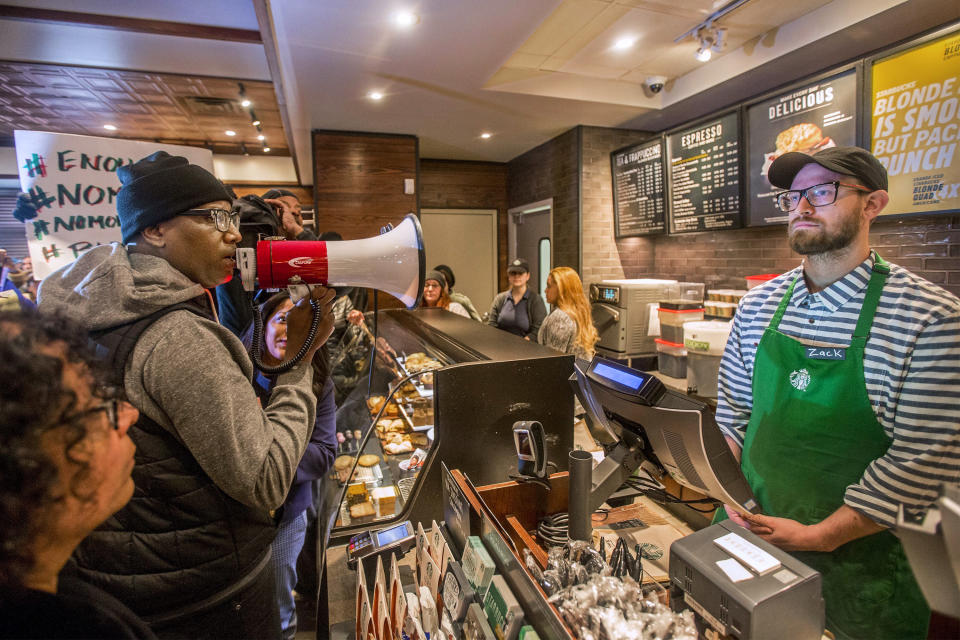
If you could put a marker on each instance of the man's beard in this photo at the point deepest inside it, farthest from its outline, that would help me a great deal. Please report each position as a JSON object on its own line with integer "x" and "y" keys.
{"x": 809, "y": 242}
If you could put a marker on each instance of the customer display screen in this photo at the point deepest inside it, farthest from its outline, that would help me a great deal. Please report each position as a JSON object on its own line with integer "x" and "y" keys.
{"x": 621, "y": 377}
{"x": 388, "y": 536}
{"x": 608, "y": 294}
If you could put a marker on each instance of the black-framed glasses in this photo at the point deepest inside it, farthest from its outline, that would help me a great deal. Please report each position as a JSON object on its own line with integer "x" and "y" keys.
{"x": 110, "y": 406}
{"x": 221, "y": 217}
{"x": 819, "y": 195}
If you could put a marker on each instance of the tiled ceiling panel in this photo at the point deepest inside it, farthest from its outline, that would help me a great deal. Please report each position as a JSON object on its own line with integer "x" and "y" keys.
{"x": 169, "y": 108}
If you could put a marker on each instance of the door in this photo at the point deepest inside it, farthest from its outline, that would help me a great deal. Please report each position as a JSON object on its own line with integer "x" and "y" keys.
{"x": 466, "y": 241}
{"x": 530, "y": 230}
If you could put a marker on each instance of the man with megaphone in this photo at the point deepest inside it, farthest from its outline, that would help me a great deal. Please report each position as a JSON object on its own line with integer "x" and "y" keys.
{"x": 190, "y": 552}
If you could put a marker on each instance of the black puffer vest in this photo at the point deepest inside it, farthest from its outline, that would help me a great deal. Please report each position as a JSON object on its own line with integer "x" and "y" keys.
{"x": 181, "y": 545}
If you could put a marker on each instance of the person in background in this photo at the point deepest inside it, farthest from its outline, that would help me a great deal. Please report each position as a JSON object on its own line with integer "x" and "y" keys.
{"x": 66, "y": 463}
{"x": 569, "y": 327}
{"x": 520, "y": 309}
{"x": 456, "y": 296}
{"x": 316, "y": 461}
{"x": 834, "y": 441}
{"x": 435, "y": 294}
{"x": 291, "y": 219}
{"x": 190, "y": 553}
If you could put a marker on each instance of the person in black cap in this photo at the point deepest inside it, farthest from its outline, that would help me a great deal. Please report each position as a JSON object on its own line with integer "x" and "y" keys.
{"x": 832, "y": 394}
{"x": 190, "y": 553}
{"x": 456, "y": 296}
{"x": 520, "y": 309}
{"x": 289, "y": 208}
{"x": 436, "y": 294}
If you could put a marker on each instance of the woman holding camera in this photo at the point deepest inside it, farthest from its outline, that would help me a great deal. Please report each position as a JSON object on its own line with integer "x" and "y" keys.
{"x": 315, "y": 463}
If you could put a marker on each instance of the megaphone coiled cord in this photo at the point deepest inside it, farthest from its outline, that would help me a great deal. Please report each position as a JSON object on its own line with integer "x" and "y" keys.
{"x": 285, "y": 366}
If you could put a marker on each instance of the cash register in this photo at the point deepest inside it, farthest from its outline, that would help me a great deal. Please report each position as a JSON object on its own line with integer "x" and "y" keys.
{"x": 739, "y": 584}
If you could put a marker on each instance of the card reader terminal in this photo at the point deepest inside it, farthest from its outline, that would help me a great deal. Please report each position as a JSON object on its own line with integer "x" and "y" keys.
{"x": 398, "y": 539}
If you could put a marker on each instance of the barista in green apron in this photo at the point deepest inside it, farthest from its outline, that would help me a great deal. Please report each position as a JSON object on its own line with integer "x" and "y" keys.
{"x": 812, "y": 433}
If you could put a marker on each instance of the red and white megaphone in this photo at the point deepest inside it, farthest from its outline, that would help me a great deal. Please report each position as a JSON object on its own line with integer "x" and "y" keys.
{"x": 393, "y": 262}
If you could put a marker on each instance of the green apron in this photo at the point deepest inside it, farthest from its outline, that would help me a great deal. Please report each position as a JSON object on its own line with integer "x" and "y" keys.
{"x": 812, "y": 433}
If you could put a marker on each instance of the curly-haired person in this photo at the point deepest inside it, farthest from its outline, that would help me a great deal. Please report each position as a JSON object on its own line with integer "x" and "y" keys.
{"x": 65, "y": 463}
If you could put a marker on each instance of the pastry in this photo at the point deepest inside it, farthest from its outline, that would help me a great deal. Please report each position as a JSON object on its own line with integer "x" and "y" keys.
{"x": 385, "y": 498}
{"x": 362, "y": 509}
{"x": 374, "y": 403}
{"x": 417, "y": 439}
{"x": 368, "y": 460}
{"x": 399, "y": 447}
{"x": 343, "y": 463}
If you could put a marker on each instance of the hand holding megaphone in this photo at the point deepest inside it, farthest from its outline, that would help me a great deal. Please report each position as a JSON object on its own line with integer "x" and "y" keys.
{"x": 301, "y": 316}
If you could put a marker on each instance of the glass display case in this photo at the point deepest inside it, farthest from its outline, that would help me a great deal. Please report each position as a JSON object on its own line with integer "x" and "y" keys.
{"x": 443, "y": 387}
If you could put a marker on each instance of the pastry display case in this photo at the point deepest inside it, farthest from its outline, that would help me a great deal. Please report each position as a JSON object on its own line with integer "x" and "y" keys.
{"x": 443, "y": 388}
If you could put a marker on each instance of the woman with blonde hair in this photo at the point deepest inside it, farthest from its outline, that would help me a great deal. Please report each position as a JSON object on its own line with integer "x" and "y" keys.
{"x": 569, "y": 327}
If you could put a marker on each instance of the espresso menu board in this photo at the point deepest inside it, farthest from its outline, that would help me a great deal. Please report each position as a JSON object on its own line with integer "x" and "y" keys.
{"x": 705, "y": 176}
{"x": 808, "y": 119}
{"x": 639, "y": 202}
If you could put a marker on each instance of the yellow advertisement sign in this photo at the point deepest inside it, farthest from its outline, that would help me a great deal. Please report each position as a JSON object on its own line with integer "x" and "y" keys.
{"x": 916, "y": 126}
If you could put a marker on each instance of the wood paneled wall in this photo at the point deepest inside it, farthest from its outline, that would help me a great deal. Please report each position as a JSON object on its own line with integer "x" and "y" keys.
{"x": 358, "y": 184}
{"x": 455, "y": 184}
{"x": 358, "y": 180}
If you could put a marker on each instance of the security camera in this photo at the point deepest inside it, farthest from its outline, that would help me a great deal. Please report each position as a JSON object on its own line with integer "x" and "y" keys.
{"x": 655, "y": 83}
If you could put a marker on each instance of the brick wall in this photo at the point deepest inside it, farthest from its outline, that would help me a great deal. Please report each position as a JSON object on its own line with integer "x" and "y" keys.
{"x": 601, "y": 258}
{"x": 551, "y": 171}
{"x": 927, "y": 245}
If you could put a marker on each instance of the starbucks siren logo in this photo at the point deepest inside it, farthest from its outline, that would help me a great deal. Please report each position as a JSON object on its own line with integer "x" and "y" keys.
{"x": 800, "y": 379}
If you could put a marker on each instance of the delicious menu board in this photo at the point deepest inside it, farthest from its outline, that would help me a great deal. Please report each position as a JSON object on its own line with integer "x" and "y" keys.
{"x": 639, "y": 200}
{"x": 914, "y": 133}
{"x": 705, "y": 176}
{"x": 808, "y": 118}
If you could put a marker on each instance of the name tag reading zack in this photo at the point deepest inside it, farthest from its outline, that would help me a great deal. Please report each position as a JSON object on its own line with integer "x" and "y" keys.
{"x": 827, "y": 353}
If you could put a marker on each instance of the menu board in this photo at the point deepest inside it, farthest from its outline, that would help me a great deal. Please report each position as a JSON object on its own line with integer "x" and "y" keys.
{"x": 808, "y": 119}
{"x": 916, "y": 107}
{"x": 705, "y": 176}
{"x": 639, "y": 200}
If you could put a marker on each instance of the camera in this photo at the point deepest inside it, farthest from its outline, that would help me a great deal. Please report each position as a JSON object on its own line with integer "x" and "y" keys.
{"x": 655, "y": 83}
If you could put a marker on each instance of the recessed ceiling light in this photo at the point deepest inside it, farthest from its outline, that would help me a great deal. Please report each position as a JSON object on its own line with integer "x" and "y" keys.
{"x": 110, "y": 127}
{"x": 485, "y": 135}
{"x": 230, "y": 133}
{"x": 375, "y": 95}
{"x": 255, "y": 123}
{"x": 261, "y": 137}
{"x": 266, "y": 149}
{"x": 245, "y": 103}
{"x": 405, "y": 19}
{"x": 624, "y": 43}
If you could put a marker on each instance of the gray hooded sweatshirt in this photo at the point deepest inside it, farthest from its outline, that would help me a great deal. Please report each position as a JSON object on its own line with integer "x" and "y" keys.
{"x": 191, "y": 375}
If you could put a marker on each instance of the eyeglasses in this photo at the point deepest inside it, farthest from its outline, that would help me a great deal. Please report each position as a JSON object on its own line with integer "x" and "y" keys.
{"x": 223, "y": 218}
{"x": 110, "y": 406}
{"x": 819, "y": 195}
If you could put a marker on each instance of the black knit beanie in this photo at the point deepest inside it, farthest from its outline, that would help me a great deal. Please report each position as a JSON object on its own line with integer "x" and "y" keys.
{"x": 159, "y": 187}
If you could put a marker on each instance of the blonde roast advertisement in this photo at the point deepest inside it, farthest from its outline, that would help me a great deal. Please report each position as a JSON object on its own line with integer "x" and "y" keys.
{"x": 916, "y": 126}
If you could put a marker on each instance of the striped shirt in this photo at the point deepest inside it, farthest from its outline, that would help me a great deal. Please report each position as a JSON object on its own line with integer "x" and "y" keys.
{"x": 911, "y": 369}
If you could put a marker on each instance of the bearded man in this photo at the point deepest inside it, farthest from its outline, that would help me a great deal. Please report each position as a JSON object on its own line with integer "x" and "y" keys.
{"x": 838, "y": 392}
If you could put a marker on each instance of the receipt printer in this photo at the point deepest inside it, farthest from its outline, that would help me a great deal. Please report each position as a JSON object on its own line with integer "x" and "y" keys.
{"x": 745, "y": 587}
